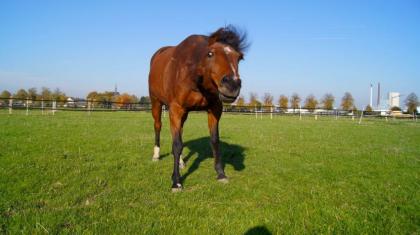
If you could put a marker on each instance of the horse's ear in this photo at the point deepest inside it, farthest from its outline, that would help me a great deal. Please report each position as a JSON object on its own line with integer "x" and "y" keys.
{"x": 214, "y": 37}
{"x": 212, "y": 40}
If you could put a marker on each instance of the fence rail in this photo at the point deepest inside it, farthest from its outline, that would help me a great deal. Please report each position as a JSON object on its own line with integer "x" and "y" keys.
{"x": 86, "y": 105}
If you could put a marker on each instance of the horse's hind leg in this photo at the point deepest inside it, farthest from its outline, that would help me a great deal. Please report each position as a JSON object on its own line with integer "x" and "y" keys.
{"x": 156, "y": 113}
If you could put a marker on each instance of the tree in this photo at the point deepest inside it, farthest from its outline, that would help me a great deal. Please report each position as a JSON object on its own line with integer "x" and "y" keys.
{"x": 21, "y": 94}
{"x": 45, "y": 93}
{"x": 268, "y": 99}
{"x": 5, "y": 94}
{"x": 412, "y": 102}
{"x": 93, "y": 96}
{"x": 328, "y": 101}
{"x": 283, "y": 102}
{"x": 295, "y": 101}
{"x": 134, "y": 99}
{"x": 240, "y": 101}
{"x": 253, "y": 99}
{"x": 124, "y": 100}
{"x": 145, "y": 100}
{"x": 32, "y": 93}
{"x": 58, "y": 95}
{"x": 310, "y": 102}
{"x": 368, "y": 108}
{"x": 347, "y": 102}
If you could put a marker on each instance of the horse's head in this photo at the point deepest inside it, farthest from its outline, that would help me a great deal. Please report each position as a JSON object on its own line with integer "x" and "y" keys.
{"x": 224, "y": 52}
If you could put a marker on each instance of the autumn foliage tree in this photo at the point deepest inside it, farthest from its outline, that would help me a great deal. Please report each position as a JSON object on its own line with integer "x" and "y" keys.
{"x": 253, "y": 99}
{"x": 240, "y": 101}
{"x": 21, "y": 94}
{"x": 104, "y": 98}
{"x": 5, "y": 95}
{"x": 295, "y": 101}
{"x": 310, "y": 102}
{"x": 328, "y": 101}
{"x": 268, "y": 99}
{"x": 58, "y": 95}
{"x": 283, "y": 102}
{"x": 32, "y": 93}
{"x": 124, "y": 100}
{"x": 368, "y": 108}
{"x": 347, "y": 102}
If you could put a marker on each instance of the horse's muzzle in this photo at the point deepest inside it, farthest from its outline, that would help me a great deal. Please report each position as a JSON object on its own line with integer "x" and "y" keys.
{"x": 229, "y": 89}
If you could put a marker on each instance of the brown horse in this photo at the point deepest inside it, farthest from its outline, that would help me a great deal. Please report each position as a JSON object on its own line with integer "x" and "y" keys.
{"x": 198, "y": 74}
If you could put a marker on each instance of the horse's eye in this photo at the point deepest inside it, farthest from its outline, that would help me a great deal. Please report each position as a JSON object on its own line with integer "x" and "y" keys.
{"x": 210, "y": 54}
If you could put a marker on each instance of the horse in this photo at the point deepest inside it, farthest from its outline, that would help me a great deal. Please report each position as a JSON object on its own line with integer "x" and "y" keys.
{"x": 199, "y": 74}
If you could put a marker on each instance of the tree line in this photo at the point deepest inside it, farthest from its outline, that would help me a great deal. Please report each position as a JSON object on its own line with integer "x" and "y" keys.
{"x": 312, "y": 103}
{"x": 46, "y": 94}
{"x": 283, "y": 102}
{"x": 294, "y": 101}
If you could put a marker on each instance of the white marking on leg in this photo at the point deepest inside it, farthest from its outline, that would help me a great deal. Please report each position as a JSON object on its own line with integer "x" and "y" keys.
{"x": 181, "y": 162}
{"x": 156, "y": 151}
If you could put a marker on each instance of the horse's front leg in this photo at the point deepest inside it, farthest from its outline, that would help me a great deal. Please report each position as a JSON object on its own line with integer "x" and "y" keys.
{"x": 177, "y": 117}
{"x": 214, "y": 115}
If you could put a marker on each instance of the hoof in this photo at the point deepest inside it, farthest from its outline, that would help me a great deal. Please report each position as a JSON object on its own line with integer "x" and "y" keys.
{"x": 177, "y": 188}
{"x": 223, "y": 180}
{"x": 181, "y": 165}
{"x": 155, "y": 159}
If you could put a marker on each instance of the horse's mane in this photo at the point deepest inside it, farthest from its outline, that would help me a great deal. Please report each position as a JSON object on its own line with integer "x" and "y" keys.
{"x": 231, "y": 36}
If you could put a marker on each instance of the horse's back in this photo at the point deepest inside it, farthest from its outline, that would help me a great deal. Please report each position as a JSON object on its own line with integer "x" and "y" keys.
{"x": 158, "y": 66}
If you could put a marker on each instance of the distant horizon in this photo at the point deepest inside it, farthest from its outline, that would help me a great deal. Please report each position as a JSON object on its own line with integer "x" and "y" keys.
{"x": 310, "y": 47}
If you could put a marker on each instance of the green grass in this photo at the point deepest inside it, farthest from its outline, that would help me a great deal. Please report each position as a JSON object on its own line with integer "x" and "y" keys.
{"x": 74, "y": 173}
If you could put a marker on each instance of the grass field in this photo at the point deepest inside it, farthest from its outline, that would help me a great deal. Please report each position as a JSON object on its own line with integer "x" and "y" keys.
{"x": 74, "y": 173}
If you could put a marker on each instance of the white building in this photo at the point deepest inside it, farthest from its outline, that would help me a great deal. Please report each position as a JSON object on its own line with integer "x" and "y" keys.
{"x": 394, "y": 99}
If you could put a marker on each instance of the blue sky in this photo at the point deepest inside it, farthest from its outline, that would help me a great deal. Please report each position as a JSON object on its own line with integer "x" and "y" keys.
{"x": 308, "y": 47}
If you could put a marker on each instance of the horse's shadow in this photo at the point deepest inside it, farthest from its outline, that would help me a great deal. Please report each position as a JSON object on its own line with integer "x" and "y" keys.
{"x": 232, "y": 154}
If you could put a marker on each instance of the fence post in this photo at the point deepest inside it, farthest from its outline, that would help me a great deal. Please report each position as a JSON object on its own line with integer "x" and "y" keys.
{"x": 54, "y": 107}
{"x": 300, "y": 112}
{"x": 27, "y": 106}
{"x": 88, "y": 106}
{"x": 271, "y": 112}
{"x": 42, "y": 106}
{"x": 10, "y": 104}
{"x": 256, "y": 114}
